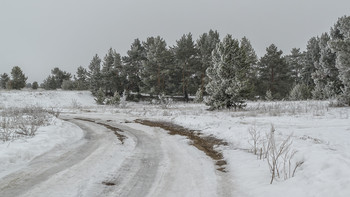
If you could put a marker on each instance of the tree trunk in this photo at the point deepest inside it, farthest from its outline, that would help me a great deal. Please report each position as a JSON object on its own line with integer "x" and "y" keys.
{"x": 158, "y": 80}
{"x": 202, "y": 81}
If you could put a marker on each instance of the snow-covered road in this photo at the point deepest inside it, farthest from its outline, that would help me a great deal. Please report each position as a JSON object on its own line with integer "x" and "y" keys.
{"x": 148, "y": 163}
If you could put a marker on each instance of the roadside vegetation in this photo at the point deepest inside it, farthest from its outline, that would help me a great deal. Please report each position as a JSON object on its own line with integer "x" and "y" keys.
{"x": 16, "y": 123}
{"x": 223, "y": 73}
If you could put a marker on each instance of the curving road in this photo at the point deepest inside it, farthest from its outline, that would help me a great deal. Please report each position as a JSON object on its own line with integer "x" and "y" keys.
{"x": 149, "y": 163}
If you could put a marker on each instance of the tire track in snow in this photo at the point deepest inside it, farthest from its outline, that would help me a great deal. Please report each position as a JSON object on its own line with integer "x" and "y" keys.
{"x": 43, "y": 167}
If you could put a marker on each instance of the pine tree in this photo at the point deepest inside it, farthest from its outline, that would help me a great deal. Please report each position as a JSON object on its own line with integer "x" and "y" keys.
{"x": 274, "y": 73}
{"x": 227, "y": 75}
{"x": 299, "y": 92}
{"x": 341, "y": 45}
{"x": 205, "y": 46}
{"x": 155, "y": 66}
{"x": 108, "y": 72}
{"x": 251, "y": 59}
{"x": 50, "y": 83}
{"x": 100, "y": 97}
{"x": 35, "y": 85}
{"x": 4, "y": 78}
{"x": 186, "y": 58}
{"x": 325, "y": 76}
{"x": 68, "y": 85}
{"x": 311, "y": 58}
{"x": 133, "y": 66}
{"x": 18, "y": 78}
{"x": 81, "y": 79}
{"x": 112, "y": 73}
{"x": 294, "y": 61}
{"x": 60, "y": 76}
{"x": 300, "y": 75}
{"x": 94, "y": 74}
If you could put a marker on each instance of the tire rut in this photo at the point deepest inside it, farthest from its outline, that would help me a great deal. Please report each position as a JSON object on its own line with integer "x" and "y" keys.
{"x": 206, "y": 144}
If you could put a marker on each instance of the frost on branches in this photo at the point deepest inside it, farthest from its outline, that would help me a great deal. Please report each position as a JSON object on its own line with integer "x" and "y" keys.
{"x": 341, "y": 44}
{"x": 228, "y": 75}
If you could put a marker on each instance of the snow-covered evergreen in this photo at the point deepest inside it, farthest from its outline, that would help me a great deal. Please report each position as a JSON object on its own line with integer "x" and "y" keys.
{"x": 228, "y": 75}
{"x": 341, "y": 44}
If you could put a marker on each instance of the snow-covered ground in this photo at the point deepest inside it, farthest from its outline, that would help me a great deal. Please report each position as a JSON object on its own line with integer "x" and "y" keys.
{"x": 17, "y": 153}
{"x": 46, "y": 99}
{"x": 320, "y": 134}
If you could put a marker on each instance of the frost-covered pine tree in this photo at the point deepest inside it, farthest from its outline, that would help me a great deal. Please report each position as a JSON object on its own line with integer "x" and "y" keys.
{"x": 205, "y": 46}
{"x": 325, "y": 77}
{"x": 227, "y": 75}
{"x": 341, "y": 45}
{"x": 100, "y": 97}
{"x": 311, "y": 57}
{"x": 268, "y": 95}
{"x": 94, "y": 74}
{"x": 199, "y": 96}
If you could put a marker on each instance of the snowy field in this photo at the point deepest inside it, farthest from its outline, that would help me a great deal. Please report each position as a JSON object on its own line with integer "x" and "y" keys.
{"x": 320, "y": 135}
{"x": 320, "y": 138}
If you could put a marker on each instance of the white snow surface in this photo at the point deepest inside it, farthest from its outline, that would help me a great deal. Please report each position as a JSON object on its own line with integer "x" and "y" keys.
{"x": 46, "y": 98}
{"x": 320, "y": 134}
{"x": 17, "y": 153}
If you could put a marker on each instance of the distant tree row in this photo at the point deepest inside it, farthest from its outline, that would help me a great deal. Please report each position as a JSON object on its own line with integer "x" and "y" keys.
{"x": 226, "y": 71}
{"x": 17, "y": 80}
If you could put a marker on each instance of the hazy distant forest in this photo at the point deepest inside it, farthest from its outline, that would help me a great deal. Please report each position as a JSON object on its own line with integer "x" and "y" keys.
{"x": 224, "y": 72}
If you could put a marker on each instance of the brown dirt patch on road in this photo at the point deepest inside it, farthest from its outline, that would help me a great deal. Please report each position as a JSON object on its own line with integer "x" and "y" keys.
{"x": 114, "y": 129}
{"x": 206, "y": 144}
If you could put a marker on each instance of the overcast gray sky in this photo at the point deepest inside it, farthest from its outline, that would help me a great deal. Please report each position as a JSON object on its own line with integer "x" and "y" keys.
{"x": 38, "y": 35}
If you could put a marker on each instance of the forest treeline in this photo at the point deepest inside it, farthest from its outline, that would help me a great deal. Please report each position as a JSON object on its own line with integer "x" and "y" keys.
{"x": 225, "y": 72}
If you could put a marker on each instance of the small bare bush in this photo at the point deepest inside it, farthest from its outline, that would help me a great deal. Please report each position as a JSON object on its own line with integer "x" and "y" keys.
{"x": 6, "y": 130}
{"x": 27, "y": 125}
{"x": 279, "y": 156}
{"x": 17, "y": 122}
{"x": 75, "y": 104}
{"x": 55, "y": 112}
{"x": 165, "y": 102}
{"x": 274, "y": 152}
{"x": 254, "y": 138}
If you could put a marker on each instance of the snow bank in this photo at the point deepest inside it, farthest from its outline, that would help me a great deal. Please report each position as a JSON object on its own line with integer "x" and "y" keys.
{"x": 16, "y": 154}
{"x": 320, "y": 135}
{"x": 46, "y": 99}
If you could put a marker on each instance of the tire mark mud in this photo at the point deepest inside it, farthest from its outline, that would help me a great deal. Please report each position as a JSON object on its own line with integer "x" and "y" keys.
{"x": 116, "y": 130}
{"x": 206, "y": 144}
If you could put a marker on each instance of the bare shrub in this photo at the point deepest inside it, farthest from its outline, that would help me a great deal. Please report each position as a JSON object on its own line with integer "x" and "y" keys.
{"x": 27, "y": 125}
{"x": 279, "y": 156}
{"x": 6, "y": 131}
{"x": 275, "y": 152}
{"x": 75, "y": 104}
{"x": 16, "y": 122}
{"x": 55, "y": 112}
{"x": 165, "y": 102}
{"x": 317, "y": 108}
{"x": 254, "y": 138}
